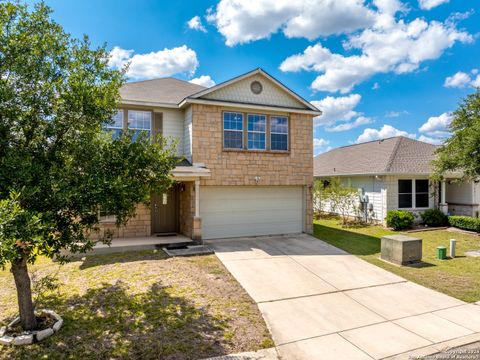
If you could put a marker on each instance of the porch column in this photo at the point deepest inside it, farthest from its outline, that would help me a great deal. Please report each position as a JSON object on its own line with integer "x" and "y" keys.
{"x": 197, "y": 220}
{"x": 443, "y": 205}
{"x": 197, "y": 198}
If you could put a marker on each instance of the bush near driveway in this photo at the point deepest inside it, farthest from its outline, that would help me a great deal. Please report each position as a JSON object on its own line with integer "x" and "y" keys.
{"x": 399, "y": 219}
{"x": 465, "y": 222}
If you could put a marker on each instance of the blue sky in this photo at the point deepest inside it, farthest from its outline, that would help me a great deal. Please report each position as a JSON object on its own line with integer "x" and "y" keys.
{"x": 377, "y": 67}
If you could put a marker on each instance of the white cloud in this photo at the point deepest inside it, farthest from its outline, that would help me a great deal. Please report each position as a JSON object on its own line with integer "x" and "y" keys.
{"x": 320, "y": 145}
{"x": 436, "y": 128}
{"x": 459, "y": 80}
{"x": 119, "y": 57}
{"x": 362, "y": 120}
{"x": 430, "y": 140}
{"x": 204, "y": 80}
{"x": 386, "y": 131}
{"x": 387, "y": 46}
{"x": 430, "y": 4}
{"x": 462, "y": 79}
{"x": 195, "y": 23}
{"x": 243, "y": 21}
{"x": 476, "y": 82}
{"x": 395, "y": 114}
{"x": 338, "y": 113}
{"x": 157, "y": 64}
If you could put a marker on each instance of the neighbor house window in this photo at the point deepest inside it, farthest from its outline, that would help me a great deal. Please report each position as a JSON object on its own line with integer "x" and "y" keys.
{"x": 105, "y": 216}
{"x": 421, "y": 193}
{"x": 256, "y": 131}
{"x": 117, "y": 127}
{"x": 406, "y": 191}
{"x": 140, "y": 122}
{"x": 278, "y": 133}
{"x": 232, "y": 130}
{"x": 405, "y": 194}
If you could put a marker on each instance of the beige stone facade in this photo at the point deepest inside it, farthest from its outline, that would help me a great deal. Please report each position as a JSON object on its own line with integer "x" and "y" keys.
{"x": 246, "y": 167}
{"x": 138, "y": 226}
{"x": 235, "y": 167}
{"x": 199, "y": 129}
{"x": 187, "y": 209}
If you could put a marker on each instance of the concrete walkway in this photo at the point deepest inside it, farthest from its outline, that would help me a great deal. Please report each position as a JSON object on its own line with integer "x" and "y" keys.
{"x": 323, "y": 303}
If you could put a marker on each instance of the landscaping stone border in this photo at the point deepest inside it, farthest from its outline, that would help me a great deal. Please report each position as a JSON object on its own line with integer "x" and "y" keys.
{"x": 30, "y": 337}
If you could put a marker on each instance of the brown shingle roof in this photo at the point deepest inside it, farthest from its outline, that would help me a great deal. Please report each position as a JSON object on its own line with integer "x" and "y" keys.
{"x": 396, "y": 155}
{"x": 165, "y": 91}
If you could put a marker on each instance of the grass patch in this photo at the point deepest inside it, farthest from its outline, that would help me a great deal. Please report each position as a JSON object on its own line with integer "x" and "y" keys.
{"x": 459, "y": 277}
{"x": 142, "y": 305}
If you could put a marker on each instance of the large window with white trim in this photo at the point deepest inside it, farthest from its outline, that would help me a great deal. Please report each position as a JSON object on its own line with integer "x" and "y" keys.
{"x": 232, "y": 130}
{"x": 256, "y": 131}
{"x": 140, "y": 122}
{"x": 278, "y": 133}
{"x": 413, "y": 193}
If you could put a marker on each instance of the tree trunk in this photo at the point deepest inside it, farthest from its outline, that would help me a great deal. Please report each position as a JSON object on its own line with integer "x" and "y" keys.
{"x": 24, "y": 294}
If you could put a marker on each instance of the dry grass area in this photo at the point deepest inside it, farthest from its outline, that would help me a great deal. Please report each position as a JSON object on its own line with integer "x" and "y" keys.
{"x": 458, "y": 277}
{"x": 141, "y": 305}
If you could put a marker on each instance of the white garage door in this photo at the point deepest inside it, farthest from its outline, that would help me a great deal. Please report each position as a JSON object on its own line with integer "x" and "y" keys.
{"x": 231, "y": 211}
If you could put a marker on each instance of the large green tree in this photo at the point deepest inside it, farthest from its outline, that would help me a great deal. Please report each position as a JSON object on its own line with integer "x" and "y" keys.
{"x": 58, "y": 167}
{"x": 461, "y": 152}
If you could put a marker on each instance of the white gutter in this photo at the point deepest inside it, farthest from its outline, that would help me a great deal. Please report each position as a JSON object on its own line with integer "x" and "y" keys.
{"x": 248, "y": 106}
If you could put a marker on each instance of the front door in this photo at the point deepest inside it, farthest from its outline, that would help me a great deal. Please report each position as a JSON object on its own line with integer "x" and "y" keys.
{"x": 165, "y": 212}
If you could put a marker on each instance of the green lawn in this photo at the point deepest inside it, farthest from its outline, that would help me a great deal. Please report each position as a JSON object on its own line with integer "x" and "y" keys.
{"x": 459, "y": 277}
{"x": 142, "y": 305}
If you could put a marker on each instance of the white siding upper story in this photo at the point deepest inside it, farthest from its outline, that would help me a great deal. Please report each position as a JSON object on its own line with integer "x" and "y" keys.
{"x": 240, "y": 91}
{"x": 173, "y": 126}
{"x": 187, "y": 134}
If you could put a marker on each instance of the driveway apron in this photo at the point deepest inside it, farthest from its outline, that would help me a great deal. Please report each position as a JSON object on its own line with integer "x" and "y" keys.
{"x": 320, "y": 302}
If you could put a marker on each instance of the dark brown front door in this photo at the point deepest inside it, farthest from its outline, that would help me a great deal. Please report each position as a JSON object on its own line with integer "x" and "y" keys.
{"x": 165, "y": 212}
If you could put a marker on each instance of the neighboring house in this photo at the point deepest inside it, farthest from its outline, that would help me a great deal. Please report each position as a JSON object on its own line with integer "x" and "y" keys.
{"x": 394, "y": 174}
{"x": 248, "y": 157}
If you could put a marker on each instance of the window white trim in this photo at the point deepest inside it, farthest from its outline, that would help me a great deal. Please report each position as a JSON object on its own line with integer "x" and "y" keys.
{"x": 233, "y": 130}
{"x": 414, "y": 195}
{"x": 277, "y": 133}
{"x": 257, "y": 132}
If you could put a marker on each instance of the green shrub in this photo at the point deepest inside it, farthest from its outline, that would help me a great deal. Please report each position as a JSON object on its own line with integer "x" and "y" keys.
{"x": 434, "y": 217}
{"x": 465, "y": 222}
{"x": 399, "y": 219}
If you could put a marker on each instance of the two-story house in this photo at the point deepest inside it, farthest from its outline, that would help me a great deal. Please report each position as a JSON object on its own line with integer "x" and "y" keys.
{"x": 247, "y": 145}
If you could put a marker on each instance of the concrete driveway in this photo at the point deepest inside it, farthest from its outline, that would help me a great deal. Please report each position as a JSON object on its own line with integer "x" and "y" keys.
{"x": 323, "y": 303}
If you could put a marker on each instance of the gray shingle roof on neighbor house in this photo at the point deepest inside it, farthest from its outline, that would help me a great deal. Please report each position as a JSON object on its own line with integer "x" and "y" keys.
{"x": 396, "y": 155}
{"x": 165, "y": 90}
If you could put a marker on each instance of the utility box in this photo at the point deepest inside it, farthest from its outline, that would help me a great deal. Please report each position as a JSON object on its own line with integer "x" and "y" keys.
{"x": 401, "y": 249}
{"x": 441, "y": 252}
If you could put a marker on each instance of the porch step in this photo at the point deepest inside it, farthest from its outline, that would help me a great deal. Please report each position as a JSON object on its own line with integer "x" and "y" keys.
{"x": 190, "y": 250}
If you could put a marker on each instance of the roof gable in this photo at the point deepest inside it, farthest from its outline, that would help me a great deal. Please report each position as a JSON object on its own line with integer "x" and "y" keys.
{"x": 238, "y": 90}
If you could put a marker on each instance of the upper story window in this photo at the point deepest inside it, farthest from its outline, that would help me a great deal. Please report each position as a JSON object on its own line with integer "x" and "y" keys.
{"x": 278, "y": 132}
{"x": 117, "y": 127}
{"x": 232, "y": 130}
{"x": 256, "y": 131}
{"x": 406, "y": 191}
{"x": 139, "y": 121}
